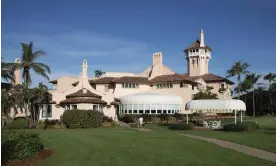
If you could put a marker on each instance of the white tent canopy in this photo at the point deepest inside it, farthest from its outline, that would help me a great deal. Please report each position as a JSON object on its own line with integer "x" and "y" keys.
{"x": 216, "y": 106}
{"x": 150, "y": 103}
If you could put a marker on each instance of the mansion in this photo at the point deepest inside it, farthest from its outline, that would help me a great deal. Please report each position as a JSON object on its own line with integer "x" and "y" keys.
{"x": 156, "y": 90}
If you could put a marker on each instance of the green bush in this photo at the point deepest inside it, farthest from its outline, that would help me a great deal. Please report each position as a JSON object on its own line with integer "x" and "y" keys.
{"x": 128, "y": 118}
{"x": 41, "y": 124}
{"x": 164, "y": 117}
{"x": 82, "y": 119}
{"x": 147, "y": 117}
{"x": 17, "y": 145}
{"x": 178, "y": 117}
{"x": 172, "y": 119}
{"x": 18, "y": 123}
{"x": 184, "y": 126}
{"x": 155, "y": 120}
{"x": 239, "y": 127}
{"x": 108, "y": 122}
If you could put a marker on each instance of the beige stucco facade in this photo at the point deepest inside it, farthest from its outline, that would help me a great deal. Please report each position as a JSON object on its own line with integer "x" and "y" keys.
{"x": 159, "y": 79}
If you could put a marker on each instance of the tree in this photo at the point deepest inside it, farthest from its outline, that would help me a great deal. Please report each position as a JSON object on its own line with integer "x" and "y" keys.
{"x": 253, "y": 78}
{"x": 99, "y": 73}
{"x": 205, "y": 94}
{"x": 260, "y": 92}
{"x": 40, "y": 95}
{"x": 238, "y": 69}
{"x": 29, "y": 62}
{"x": 271, "y": 77}
{"x": 7, "y": 71}
{"x": 28, "y": 94}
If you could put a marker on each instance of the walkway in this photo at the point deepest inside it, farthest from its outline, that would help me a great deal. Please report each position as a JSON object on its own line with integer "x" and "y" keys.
{"x": 123, "y": 124}
{"x": 240, "y": 148}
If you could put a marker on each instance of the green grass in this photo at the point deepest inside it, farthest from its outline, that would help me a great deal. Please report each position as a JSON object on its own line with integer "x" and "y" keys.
{"x": 122, "y": 146}
{"x": 264, "y": 138}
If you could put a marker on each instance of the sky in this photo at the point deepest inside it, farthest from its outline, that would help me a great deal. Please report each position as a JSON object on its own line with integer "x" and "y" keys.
{"x": 122, "y": 35}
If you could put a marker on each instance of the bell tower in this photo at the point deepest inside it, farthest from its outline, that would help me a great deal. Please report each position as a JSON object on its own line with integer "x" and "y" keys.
{"x": 198, "y": 56}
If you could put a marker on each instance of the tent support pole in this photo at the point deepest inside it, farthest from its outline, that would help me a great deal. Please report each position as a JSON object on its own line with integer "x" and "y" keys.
{"x": 187, "y": 118}
{"x": 241, "y": 116}
{"x": 235, "y": 117}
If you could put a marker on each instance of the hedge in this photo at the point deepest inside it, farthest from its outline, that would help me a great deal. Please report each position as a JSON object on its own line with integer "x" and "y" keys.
{"x": 184, "y": 126}
{"x": 17, "y": 145}
{"x": 239, "y": 127}
{"x": 18, "y": 123}
{"x": 82, "y": 119}
{"x": 151, "y": 118}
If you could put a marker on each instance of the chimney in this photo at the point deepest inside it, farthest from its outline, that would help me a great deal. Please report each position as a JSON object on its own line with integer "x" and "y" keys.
{"x": 17, "y": 73}
{"x": 202, "y": 38}
{"x": 157, "y": 58}
{"x": 84, "y": 68}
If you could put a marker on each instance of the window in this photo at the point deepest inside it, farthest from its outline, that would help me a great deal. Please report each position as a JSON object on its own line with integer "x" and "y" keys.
{"x": 74, "y": 107}
{"x": 126, "y": 85}
{"x": 123, "y": 85}
{"x": 196, "y": 50}
{"x": 157, "y": 86}
{"x": 193, "y": 87}
{"x": 133, "y": 85}
{"x": 106, "y": 88}
{"x": 67, "y": 107}
{"x": 101, "y": 108}
{"x": 222, "y": 85}
{"x": 46, "y": 111}
{"x": 95, "y": 107}
{"x": 141, "y": 111}
{"x": 182, "y": 85}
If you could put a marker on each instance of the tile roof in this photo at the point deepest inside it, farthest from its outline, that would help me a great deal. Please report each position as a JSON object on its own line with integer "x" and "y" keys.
{"x": 172, "y": 78}
{"x": 103, "y": 80}
{"x": 195, "y": 45}
{"x": 81, "y": 93}
{"x": 210, "y": 78}
{"x": 76, "y": 100}
{"x": 128, "y": 79}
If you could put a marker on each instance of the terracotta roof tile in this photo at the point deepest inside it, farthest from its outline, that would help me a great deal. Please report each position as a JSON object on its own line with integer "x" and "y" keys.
{"x": 128, "y": 79}
{"x": 172, "y": 78}
{"x": 195, "y": 45}
{"x": 210, "y": 78}
{"x": 76, "y": 100}
{"x": 81, "y": 93}
{"x": 103, "y": 80}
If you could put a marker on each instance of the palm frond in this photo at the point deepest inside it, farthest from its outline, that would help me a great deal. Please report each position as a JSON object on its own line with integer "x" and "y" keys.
{"x": 37, "y": 54}
{"x": 40, "y": 70}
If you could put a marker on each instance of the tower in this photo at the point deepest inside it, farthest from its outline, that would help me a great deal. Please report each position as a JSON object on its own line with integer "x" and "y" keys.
{"x": 17, "y": 73}
{"x": 198, "y": 56}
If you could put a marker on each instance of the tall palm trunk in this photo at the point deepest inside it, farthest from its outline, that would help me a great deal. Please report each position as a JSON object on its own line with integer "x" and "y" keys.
{"x": 253, "y": 103}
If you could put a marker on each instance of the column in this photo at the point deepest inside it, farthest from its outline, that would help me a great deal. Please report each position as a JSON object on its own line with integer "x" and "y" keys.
{"x": 150, "y": 109}
{"x": 131, "y": 108}
{"x": 156, "y": 105}
{"x": 162, "y": 108}
{"x": 119, "y": 108}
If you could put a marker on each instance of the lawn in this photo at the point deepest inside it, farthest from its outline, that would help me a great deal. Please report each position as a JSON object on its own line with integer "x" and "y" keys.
{"x": 265, "y": 138}
{"x": 124, "y": 146}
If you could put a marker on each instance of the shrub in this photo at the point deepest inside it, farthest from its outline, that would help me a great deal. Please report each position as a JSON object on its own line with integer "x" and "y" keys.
{"x": 239, "y": 127}
{"x": 164, "y": 117}
{"x": 19, "y": 145}
{"x": 107, "y": 119}
{"x": 108, "y": 122}
{"x": 178, "y": 117}
{"x": 82, "y": 118}
{"x": 147, "y": 117}
{"x": 184, "y": 126}
{"x": 41, "y": 124}
{"x": 50, "y": 123}
{"x": 155, "y": 120}
{"x": 18, "y": 123}
{"x": 172, "y": 119}
{"x": 128, "y": 118}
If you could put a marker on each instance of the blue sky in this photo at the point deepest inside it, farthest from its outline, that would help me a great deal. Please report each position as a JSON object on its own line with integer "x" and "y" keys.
{"x": 122, "y": 35}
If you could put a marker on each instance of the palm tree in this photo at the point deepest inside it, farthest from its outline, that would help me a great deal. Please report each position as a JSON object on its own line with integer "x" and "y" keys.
{"x": 7, "y": 71}
{"x": 40, "y": 96}
{"x": 7, "y": 102}
{"x": 253, "y": 79}
{"x": 27, "y": 96}
{"x": 238, "y": 69}
{"x": 271, "y": 77}
{"x": 259, "y": 92}
{"x": 29, "y": 62}
{"x": 99, "y": 73}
